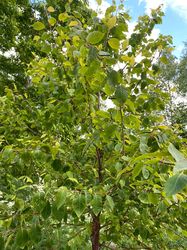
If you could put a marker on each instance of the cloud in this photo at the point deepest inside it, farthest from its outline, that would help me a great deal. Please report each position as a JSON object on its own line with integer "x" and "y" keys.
{"x": 99, "y": 9}
{"x": 155, "y": 33}
{"x": 179, "y": 6}
{"x": 153, "y": 4}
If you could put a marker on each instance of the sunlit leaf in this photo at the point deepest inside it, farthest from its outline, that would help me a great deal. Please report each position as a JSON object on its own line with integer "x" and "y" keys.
{"x": 50, "y": 9}
{"x": 111, "y": 22}
{"x": 38, "y": 26}
{"x": 95, "y": 37}
{"x": 114, "y": 43}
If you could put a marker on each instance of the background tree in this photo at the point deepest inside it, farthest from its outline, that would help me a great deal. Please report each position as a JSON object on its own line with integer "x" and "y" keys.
{"x": 172, "y": 80}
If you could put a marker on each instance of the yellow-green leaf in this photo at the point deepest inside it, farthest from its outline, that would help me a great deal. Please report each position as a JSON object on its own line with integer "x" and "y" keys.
{"x": 111, "y": 22}
{"x": 50, "y": 9}
{"x": 113, "y": 43}
{"x": 63, "y": 17}
{"x": 73, "y": 23}
{"x": 38, "y": 26}
{"x": 125, "y": 44}
{"x": 52, "y": 21}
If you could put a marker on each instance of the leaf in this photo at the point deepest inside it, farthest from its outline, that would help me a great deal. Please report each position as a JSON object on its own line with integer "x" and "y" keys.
{"x": 79, "y": 204}
{"x": 111, "y": 22}
{"x": 95, "y": 37}
{"x": 46, "y": 211}
{"x": 175, "y": 184}
{"x": 145, "y": 173}
{"x": 63, "y": 17}
{"x": 97, "y": 204}
{"x": 121, "y": 94}
{"x": 103, "y": 53}
{"x": 164, "y": 60}
{"x": 50, "y": 9}
{"x": 52, "y": 21}
{"x": 143, "y": 144}
{"x": 110, "y": 201}
{"x": 136, "y": 171}
{"x": 21, "y": 237}
{"x": 35, "y": 233}
{"x": 99, "y": 2}
{"x": 180, "y": 166}
{"x": 113, "y": 43}
{"x": 2, "y": 243}
{"x": 130, "y": 105}
{"x": 178, "y": 156}
{"x": 153, "y": 198}
{"x": 73, "y": 23}
{"x": 143, "y": 197}
{"x": 38, "y": 26}
{"x": 125, "y": 44}
{"x": 58, "y": 214}
{"x": 61, "y": 196}
{"x": 129, "y": 59}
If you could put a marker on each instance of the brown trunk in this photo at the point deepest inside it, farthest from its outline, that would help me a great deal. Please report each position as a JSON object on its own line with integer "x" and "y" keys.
{"x": 95, "y": 232}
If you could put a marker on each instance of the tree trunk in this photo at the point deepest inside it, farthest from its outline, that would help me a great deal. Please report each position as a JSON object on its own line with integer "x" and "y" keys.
{"x": 95, "y": 232}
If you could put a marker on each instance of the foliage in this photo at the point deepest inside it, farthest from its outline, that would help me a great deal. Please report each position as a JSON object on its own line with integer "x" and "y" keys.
{"x": 76, "y": 174}
{"x": 182, "y": 72}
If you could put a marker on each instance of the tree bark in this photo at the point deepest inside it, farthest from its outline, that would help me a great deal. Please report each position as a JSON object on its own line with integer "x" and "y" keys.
{"x": 95, "y": 232}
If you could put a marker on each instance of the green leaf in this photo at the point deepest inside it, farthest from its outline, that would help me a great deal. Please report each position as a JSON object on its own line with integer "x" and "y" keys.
{"x": 58, "y": 214}
{"x": 21, "y": 237}
{"x": 114, "y": 43}
{"x": 95, "y": 37}
{"x": 153, "y": 198}
{"x": 110, "y": 202}
{"x": 97, "y": 204}
{"x": 38, "y": 26}
{"x": 121, "y": 94}
{"x": 143, "y": 144}
{"x": 143, "y": 197}
{"x": 61, "y": 196}
{"x": 136, "y": 171}
{"x": 35, "y": 233}
{"x": 46, "y": 211}
{"x": 2, "y": 243}
{"x": 178, "y": 156}
{"x": 131, "y": 106}
{"x": 180, "y": 166}
{"x": 79, "y": 204}
{"x": 175, "y": 184}
{"x": 145, "y": 173}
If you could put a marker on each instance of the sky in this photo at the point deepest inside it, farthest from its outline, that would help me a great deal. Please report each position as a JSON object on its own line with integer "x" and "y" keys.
{"x": 174, "y": 22}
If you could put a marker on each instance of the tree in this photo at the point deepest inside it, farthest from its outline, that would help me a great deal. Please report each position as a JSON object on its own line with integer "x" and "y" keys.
{"x": 172, "y": 80}
{"x": 16, "y": 22}
{"x": 182, "y": 72}
{"x": 78, "y": 175}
